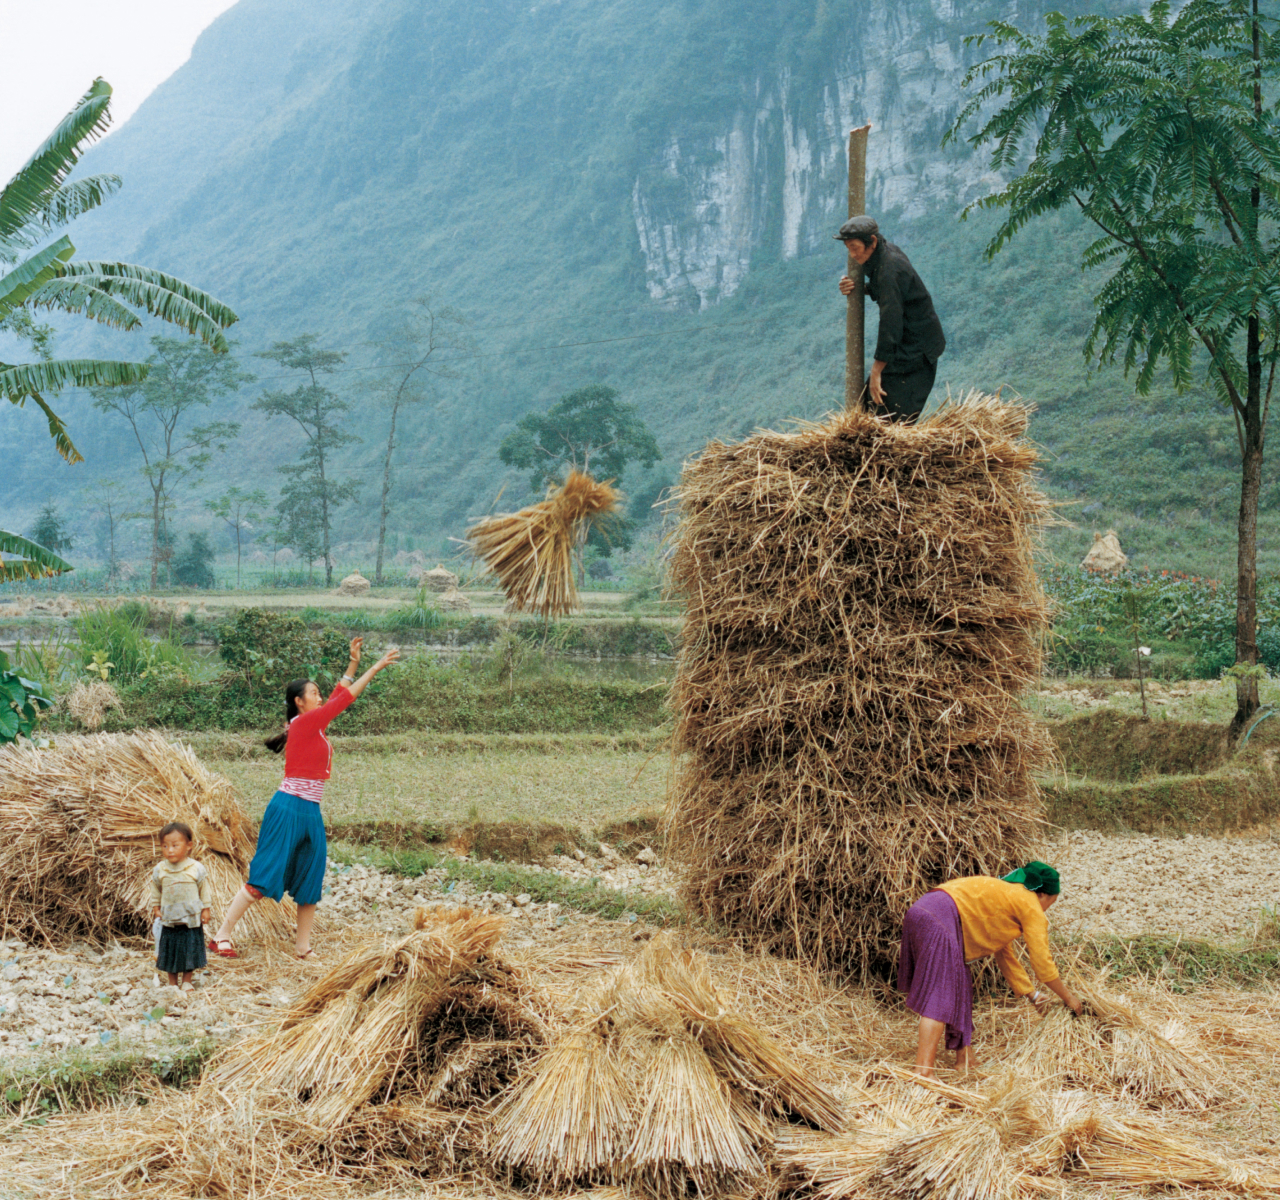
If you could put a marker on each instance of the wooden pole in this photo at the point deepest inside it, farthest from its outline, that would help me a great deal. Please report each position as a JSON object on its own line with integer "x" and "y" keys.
{"x": 855, "y": 374}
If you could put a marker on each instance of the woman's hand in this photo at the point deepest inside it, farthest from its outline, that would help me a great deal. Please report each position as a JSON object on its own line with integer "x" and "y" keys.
{"x": 392, "y": 655}
{"x": 206, "y": 916}
{"x": 357, "y": 644}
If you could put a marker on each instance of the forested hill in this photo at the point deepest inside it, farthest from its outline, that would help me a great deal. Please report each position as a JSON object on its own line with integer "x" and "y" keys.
{"x": 625, "y": 191}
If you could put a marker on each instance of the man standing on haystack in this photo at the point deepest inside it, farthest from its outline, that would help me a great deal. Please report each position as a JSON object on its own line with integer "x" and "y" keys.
{"x": 910, "y": 339}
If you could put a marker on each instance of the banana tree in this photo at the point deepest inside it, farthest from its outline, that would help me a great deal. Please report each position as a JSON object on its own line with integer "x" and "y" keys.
{"x": 35, "y": 562}
{"x": 37, "y": 273}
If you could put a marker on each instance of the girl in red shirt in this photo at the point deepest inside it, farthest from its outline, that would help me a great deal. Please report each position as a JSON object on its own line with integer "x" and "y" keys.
{"x": 292, "y": 850}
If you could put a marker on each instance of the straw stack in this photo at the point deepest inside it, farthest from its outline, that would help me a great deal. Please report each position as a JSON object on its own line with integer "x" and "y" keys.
{"x": 657, "y": 1085}
{"x": 862, "y": 616}
{"x": 532, "y": 551}
{"x": 79, "y": 836}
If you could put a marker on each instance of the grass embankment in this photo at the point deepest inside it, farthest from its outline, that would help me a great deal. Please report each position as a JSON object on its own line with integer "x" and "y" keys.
{"x": 1185, "y": 963}
{"x": 513, "y": 879}
{"x": 1124, "y": 774}
{"x": 79, "y": 1078}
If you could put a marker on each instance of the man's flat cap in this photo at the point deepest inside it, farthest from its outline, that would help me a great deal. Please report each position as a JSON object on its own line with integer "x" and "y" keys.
{"x": 861, "y": 229}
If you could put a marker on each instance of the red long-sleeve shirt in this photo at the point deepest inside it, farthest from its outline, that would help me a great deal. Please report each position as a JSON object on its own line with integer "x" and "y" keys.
{"x": 307, "y": 752}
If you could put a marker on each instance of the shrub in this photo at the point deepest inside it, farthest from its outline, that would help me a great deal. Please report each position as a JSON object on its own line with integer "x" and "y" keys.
{"x": 267, "y": 648}
{"x": 119, "y": 634}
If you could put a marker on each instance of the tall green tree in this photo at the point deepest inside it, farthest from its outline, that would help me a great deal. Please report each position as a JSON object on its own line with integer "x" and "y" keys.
{"x": 428, "y": 344}
{"x": 37, "y": 273}
{"x": 317, "y": 411}
{"x": 183, "y": 377}
{"x": 587, "y": 429}
{"x": 239, "y": 510}
{"x": 50, "y": 531}
{"x": 1162, "y": 131}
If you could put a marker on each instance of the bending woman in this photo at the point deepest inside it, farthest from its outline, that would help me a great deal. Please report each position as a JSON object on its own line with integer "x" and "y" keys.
{"x": 968, "y": 919}
{"x": 291, "y": 851}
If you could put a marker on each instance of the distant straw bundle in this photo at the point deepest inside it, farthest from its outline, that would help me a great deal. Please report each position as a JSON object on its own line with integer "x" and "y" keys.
{"x": 79, "y": 826}
{"x": 658, "y": 1085}
{"x": 862, "y": 614}
{"x": 532, "y": 551}
{"x": 89, "y": 703}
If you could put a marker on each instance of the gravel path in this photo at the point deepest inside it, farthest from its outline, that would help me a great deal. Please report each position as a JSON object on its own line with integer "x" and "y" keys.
{"x": 1215, "y": 888}
{"x": 82, "y": 996}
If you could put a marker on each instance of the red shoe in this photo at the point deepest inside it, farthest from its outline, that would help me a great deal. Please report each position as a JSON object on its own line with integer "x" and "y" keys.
{"x": 229, "y": 952}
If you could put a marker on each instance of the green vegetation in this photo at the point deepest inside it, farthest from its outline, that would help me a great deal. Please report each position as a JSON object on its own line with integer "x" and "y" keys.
{"x": 119, "y": 634}
{"x": 80, "y": 1078}
{"x": 1185, "y": 963}
{"x": 1187, "y": 621}
{"x": 35, "y": 561}
{"x": 21, "y": 702}
{"x": 39, "y": 199}
{"x": 1155, "y": 128}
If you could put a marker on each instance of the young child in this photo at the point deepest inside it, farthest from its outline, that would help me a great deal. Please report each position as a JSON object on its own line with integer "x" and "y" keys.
{"x": 180, "y": 897}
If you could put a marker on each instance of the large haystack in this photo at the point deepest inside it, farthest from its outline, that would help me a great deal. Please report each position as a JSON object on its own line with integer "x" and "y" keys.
{"x": 862, "y": 615}
{"x": 79, "y": 827}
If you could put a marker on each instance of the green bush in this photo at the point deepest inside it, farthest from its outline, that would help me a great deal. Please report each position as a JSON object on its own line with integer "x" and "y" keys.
{"x": 267, "y": 649}
{"x": 423, "y": 613}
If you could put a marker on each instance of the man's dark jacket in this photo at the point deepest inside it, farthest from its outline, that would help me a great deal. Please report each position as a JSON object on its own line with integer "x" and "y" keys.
{"x": 910, "y": 332}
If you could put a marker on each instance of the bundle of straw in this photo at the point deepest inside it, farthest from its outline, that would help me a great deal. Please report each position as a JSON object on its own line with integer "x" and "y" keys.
{"x": 387, "y": 1064}
{"x": 430, "y": 1016}
{"x": 532, "y": 551}
{"x": 862, "y": 615}
{"x": 1114, "y": 1049}
{"x": 79, "y": 836}
{"x": 657, "y": 1085}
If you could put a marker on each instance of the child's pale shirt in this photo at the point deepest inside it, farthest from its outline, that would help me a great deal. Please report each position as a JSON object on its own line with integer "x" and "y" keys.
{"x": 181, "y": 890}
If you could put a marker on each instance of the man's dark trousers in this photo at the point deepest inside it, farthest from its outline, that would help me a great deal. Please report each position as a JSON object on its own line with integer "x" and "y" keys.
{"x": 904, "y": 395}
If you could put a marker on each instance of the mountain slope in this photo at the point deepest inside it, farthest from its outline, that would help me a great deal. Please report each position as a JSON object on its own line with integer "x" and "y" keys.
{"x": 633, "y": 192}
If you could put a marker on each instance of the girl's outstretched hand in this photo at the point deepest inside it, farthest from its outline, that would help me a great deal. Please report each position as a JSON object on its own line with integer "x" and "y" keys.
{"x": 392, "y": 655}
{"x": 357, "y": 644}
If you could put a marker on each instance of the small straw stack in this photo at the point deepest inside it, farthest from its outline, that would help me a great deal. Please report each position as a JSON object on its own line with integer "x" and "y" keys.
{"x": 862, "y": 617}
{"x": 657, "y": 1085}
{"x": 79, "y": 836}
{"x": 532, "y": 551}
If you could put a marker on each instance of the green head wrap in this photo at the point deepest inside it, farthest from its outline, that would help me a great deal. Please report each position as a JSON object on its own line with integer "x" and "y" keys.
{"x": 1036, "y": 877}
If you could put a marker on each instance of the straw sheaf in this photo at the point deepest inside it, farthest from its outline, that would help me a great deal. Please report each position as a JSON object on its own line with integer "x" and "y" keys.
{"x": 532, "y": 551}
{"x": 79, "y": 836}
{"x": 430, "y": 1016}
{"x": 657, "y": 1084}
{"x": 1115, "y": 1049}
{"x": 862, "y": 617}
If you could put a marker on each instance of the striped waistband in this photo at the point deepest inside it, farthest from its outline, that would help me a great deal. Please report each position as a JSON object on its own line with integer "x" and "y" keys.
{"x": 304, "y": 789}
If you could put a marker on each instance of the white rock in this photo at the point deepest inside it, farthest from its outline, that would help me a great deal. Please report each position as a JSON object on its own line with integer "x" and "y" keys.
{"x": 523, "y": 899}
{"x": 646, "y": 857}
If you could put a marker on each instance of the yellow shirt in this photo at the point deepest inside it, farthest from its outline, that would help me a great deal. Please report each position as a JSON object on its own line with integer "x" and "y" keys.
{"x": 993, "y": 915}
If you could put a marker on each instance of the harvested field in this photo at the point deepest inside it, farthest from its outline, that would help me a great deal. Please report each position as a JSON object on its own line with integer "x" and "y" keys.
{"x": 863, "y": 618}
{"x": 1041, "y": 1130}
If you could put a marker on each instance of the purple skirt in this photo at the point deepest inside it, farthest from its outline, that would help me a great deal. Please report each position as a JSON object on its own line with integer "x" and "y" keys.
{"x": 931, "y": 967}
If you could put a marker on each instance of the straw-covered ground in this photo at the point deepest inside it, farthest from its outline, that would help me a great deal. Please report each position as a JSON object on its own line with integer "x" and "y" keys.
{"x": 1153, "y": 1088}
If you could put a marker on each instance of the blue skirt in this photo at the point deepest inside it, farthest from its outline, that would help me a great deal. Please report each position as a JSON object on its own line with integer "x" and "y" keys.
{"x": 291, "y": 850}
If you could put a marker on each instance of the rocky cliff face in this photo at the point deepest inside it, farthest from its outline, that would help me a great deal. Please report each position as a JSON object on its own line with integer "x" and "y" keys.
{"x": 775, "y": 178}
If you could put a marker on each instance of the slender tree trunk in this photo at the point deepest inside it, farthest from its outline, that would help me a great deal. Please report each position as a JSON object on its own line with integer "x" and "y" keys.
{"x": 1247, "y": 537}
{"x": 155, "y": 535}
{"x": 111, "y": 539}
{"x": 237, "y": 556}
{"x": 386, "y": 489}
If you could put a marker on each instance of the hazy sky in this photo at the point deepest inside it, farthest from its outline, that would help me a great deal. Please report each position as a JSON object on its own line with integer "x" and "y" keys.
{"x": 52, "y": 50}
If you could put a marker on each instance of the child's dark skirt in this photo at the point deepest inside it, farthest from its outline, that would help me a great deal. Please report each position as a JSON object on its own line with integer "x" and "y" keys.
{"x": 181, "y": 949}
